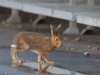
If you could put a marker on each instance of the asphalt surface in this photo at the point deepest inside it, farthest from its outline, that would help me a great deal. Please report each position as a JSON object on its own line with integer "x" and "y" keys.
{"x": 71, "y": 61}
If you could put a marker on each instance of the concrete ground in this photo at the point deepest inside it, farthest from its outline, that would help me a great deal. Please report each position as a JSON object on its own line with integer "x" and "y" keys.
{"x": 69, "y": 56}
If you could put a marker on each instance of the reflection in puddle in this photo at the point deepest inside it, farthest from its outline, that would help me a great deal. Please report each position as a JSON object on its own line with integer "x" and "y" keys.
{"x": 32, "y": 67}
{"x": 48, "y": 69}
{"x": 43, "y": 70}
{"x": 26, "y": 69}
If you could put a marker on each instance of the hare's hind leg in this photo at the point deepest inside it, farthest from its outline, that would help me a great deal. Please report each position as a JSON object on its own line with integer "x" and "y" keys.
{"x": 14, "y": 53}
{"x": 15, "y": 59}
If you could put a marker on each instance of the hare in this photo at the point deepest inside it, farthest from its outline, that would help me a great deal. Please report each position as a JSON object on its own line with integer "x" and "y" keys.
{"x": 36, "y": 42}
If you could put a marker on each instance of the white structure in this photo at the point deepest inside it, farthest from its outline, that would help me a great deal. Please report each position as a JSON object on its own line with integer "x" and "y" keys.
{"x": 75, "y": 13}
{"x": 73, "y": 29}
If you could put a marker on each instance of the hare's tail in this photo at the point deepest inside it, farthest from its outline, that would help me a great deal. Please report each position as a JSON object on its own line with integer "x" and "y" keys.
{"x": 13, "y": 46}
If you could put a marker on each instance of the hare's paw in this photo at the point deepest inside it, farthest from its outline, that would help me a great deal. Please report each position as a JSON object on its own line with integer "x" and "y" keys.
{"x": 15, "y": 64}
{"x": 50, "y": 62}
{"x": 41, "y": 62}
{"x": 20, "y": 60}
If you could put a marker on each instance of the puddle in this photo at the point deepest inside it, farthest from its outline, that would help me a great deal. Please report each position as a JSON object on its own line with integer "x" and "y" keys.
{"x": 48, "y": 69}
{"x": 26, "y": 69}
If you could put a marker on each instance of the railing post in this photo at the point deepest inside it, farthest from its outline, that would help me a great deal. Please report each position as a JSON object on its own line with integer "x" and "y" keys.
{"x": 72, "y": 29}
{"x": 73, "y": 2}
{"x": 14, "y": 18}
{"x": 91, "y": 2}
{"x": 88, "y": 28}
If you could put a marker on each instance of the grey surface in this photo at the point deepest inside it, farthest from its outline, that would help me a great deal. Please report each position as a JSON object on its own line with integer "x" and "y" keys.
{"x": 7, "y": 69}
{"x": 72, "y": 61}
{"x": 5, "y": 64}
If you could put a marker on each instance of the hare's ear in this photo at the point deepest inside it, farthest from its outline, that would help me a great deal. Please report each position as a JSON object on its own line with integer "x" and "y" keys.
{"x": 52, "y": 29}
{"x": 58, "y": 29}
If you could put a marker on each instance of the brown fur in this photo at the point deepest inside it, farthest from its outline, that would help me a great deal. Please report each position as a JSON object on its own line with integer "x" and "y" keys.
{"x": 33, "y": 41}
{"x": 36, "y": 42}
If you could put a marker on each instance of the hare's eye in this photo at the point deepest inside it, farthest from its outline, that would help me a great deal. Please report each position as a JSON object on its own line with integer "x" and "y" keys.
{"x": 56, "y": 39}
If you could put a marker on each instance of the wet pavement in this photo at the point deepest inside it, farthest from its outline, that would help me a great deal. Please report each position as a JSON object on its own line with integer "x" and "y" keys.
{"x": 6, "y": 63}
{"x": 71, "y": 61}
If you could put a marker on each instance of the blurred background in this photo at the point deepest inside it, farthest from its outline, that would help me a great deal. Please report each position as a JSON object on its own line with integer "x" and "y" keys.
{"x": 80, "y": 30}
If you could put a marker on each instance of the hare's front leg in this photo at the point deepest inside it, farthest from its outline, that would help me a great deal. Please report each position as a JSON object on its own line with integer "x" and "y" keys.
{"x": 47, "y": 60}
{"x": 42, "y": 71}
{"x": 40, "y": 59}
{"x": 45, "y": 68}
{"x": 15, "y": 59}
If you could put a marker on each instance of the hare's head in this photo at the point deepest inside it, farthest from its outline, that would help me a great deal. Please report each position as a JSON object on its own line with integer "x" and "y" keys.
{"x": 55, "y": 38}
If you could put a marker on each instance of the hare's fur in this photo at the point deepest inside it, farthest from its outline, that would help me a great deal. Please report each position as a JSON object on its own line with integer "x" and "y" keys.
{"x": 36, "y": 42}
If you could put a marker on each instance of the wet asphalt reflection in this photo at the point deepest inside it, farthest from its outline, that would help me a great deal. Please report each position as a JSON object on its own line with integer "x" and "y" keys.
{"x": 71, "y": 61}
